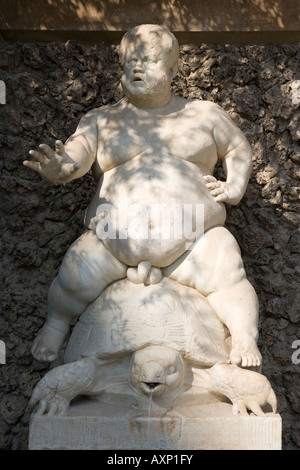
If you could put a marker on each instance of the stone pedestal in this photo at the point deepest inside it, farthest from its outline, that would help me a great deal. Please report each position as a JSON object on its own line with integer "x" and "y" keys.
{"x": 95, "y": 426}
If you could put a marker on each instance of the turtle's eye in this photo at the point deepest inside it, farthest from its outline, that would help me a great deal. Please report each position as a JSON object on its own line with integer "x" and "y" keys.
{"x": 171, "y": 370}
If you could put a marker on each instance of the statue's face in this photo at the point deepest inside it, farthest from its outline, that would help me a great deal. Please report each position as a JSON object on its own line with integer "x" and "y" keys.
{"x": 146, "y": 70}
{"x": 156, "y": 370}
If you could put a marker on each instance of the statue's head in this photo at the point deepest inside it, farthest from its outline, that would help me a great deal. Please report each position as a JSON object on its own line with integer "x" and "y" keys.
{"x": 149, "y": 55}
{"x": 156, "y": 370}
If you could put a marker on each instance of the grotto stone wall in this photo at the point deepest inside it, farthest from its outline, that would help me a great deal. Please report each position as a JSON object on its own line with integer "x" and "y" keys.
{"x": 49, "y": 86}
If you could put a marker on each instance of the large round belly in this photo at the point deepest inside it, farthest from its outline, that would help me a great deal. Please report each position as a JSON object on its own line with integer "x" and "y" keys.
{"x": 153, "y": 207}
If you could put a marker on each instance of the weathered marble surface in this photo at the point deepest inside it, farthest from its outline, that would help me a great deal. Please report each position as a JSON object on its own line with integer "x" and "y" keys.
{"x": 161, "y": 341}
{"x": 92, "y": 426}
{"x": 182, "y": 328}
{"x": 153, "y": 149}
{"x": 46, "y": 219}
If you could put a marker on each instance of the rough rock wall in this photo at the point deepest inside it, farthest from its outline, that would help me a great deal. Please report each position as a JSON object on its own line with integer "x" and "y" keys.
{"x": 49, "y": 87}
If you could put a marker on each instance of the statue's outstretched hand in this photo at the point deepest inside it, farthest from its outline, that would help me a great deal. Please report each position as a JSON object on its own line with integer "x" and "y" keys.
{"x": 222, "y": 191}
{"x": 53, "y": 165}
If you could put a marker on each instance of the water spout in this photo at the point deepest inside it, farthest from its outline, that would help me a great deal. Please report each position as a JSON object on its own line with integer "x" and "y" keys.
{"x": 149, "y": 420}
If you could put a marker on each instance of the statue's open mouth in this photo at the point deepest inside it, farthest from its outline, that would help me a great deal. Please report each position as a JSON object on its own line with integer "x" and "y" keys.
{"x": 152, "y": 385}
{"x": 137, "y": 79}
{"x": 152, "y": 388}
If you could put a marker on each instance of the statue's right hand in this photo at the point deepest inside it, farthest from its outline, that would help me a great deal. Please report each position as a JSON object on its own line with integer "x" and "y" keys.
{"x": 53, "y": 165}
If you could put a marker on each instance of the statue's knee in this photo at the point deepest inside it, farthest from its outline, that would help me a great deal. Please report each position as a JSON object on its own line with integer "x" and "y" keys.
{"x": 87, "y": 269}
{"x": 229, "y": 272}
{"x": 68, "y": 277}
{"x": 73, "y": 290}
{"x": 237, "y": 272}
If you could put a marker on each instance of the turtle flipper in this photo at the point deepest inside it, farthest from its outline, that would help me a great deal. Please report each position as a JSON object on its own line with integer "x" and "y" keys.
{"x": 59, "y": 386}
{"x": 247, "y": 390}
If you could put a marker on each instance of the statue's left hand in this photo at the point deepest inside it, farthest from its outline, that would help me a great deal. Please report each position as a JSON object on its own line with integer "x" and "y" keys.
{"x": 222, "y": 191}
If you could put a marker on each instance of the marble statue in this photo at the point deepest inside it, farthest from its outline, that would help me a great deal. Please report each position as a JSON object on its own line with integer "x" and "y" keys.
{"x": 160, "y": 314}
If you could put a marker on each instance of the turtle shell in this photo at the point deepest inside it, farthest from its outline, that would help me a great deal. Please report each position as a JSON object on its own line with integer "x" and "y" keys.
{"x": 127, "y": 317}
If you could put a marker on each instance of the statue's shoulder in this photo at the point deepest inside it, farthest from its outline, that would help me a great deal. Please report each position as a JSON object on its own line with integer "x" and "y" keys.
{"x": 204, "y": 110}
{"x": 103, "y": 111}
{"x": 203, "y": 105}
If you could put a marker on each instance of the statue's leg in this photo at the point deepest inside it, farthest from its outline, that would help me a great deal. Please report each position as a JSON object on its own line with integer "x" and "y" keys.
{"x": 87, "y": 269}
{"x": 215, "y": 268}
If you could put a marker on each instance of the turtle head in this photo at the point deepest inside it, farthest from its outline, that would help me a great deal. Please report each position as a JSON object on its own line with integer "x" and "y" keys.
{"x": 156, "y": 370}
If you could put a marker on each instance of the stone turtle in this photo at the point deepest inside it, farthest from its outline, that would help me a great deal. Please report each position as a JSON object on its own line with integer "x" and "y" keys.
{"x": 134, "y": 341}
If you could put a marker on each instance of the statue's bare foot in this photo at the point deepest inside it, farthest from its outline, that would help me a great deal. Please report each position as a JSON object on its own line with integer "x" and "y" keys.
{"x": 48, "y": 343}
{"x": 245, "y": 352}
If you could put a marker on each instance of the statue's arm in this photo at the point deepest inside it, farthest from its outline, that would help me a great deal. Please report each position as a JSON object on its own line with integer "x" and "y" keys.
{"x": 70, "y": 160}
{"x": 235, "y": 152}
